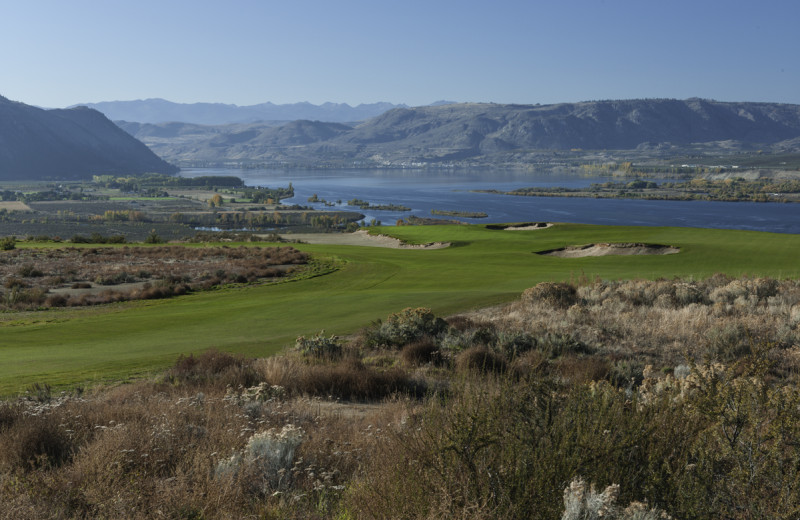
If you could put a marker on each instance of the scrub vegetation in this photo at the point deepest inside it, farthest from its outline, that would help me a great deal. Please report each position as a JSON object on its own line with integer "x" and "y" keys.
{"x": 583, "y": 399}
{"x": 70, "y": 276}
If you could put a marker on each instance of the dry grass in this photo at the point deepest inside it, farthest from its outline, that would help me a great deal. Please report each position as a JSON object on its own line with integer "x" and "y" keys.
{"x": 664, "y": 323}
{"x": 14, "y": 205}
{"x": 87, "y": 276}
{"x": 489, "y": 415}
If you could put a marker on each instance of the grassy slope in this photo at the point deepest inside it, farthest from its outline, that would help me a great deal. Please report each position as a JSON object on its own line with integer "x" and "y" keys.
{"x": 484, "y": 267}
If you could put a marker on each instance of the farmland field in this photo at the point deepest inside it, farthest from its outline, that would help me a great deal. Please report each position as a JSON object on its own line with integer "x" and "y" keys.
{"x": 482, "y": 267}
{"x": 14, "y": 205}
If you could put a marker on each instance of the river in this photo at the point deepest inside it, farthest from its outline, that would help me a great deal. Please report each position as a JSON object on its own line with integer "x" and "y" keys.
{"x": 423, "y": 191}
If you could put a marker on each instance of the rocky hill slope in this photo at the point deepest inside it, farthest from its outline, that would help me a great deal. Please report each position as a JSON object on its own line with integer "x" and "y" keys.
{"x": 68, "y": 144}
{"x": 450, "y": 132}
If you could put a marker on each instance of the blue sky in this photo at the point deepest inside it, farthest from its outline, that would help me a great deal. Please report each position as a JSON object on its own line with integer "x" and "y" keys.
{"x": 57, "y": 53}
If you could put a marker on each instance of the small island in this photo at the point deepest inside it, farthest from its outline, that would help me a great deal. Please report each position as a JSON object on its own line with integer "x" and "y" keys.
{"x": 729, "y": 190}
{"x": 363, "y": 204}
{"x": 463, "y": 214}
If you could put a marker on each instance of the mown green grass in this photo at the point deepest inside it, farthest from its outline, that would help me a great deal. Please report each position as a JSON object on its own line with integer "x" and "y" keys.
{"x": 483, "y": 267}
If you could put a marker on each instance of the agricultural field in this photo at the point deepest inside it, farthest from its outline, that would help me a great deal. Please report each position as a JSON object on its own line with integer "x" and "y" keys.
{"x": 173, "y": 208}
{"x": 348, "y": 287}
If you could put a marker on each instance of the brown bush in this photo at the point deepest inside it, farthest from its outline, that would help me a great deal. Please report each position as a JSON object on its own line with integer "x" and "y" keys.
{"x": 350, "y": 379}
{"x": 582, "y": 369}
{"x": 532, "y": 362}
{"x": 214, "y": 368}
{"x": 9, "y": 414}
{"x": 481, "y": 359}
{"x": 421, "y": 352}
{"x": 35, "y": 442}
{"x": 559, "y": 295}
{"x": 56, "y": 300}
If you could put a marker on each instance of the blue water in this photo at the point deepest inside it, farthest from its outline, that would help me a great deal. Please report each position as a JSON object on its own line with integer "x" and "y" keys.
{"x": 425, "y": 190}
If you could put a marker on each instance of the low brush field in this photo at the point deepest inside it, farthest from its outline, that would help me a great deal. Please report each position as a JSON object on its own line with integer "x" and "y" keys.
{"x": 616, "y": 399}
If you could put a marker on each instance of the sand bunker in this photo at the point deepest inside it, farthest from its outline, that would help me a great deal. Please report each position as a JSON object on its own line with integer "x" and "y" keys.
{"x": 360, "y": 238}
{"x": 610, "y": 249}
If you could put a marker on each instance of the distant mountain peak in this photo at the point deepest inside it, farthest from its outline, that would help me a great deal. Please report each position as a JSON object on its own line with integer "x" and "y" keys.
{"x": 466, "y": 131}
{"x": 157, "y": 110}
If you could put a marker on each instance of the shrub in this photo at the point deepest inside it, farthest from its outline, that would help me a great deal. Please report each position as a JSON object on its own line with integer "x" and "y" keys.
{"x": 35, "y": 442}
{"x": 29, "y": 271}
{"x": 515, "y": 343}
{"x": 8, "y": 243}
{"x": 559, "y": 295}
{"x": 215, "y": 368}
{"x": 115, "y": 278}
{"x": 582, "y": 503}
{"x": 347, "y": 379}
{"x": 13, "y": 282}
{"x": 56, "y": 300}
{"x": 421, "y": 352}
{"x": 406, "y": 326}
{"x": 585, "y": 503}
{"x": 728, "y": 343}
{"x": 582, "y": 369}
{"x": 480, "y": 359}
{"x": 265, "y": 462}
{"x": 319, "y": 346}
{"x": 153, "y": 238}
{"x": 555, "y": 345}
{"x": 458, "y": 340}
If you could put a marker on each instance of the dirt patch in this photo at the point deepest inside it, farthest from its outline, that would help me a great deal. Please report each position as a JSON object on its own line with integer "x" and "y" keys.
{"x": 527, "y": 226}
{"x": 359, "y": 238}
{"x": 341, "y": 409}
{"x": 610, "y": 249}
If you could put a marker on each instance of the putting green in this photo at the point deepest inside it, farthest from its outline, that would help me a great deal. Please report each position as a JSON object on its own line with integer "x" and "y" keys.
{"x": 483, "y": 267}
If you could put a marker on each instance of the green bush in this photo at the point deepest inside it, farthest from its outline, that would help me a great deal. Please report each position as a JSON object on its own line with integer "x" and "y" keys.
{"x": 406, "y": 326}
{"x": 153, "y": 238}
{"x": 8, "y": 243}
{"x": 319, "y": 346}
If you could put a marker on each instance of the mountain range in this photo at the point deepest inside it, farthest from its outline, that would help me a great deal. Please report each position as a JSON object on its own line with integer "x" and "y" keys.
{"x": 163, "y": 111}
{"x": 67, "y": 144}
{"x": 456, "y": 132}
{"x": 79, "y": 142}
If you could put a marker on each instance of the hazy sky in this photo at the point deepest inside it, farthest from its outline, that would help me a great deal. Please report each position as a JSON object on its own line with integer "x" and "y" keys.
{"x": 57, "y": 53}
